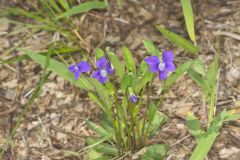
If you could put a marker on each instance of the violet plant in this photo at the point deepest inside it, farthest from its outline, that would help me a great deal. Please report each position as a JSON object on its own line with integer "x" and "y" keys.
{"x": 123, "y": 90}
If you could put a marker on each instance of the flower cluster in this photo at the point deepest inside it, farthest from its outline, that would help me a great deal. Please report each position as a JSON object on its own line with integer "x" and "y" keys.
{"x": 104, "y": 68}
{"x": 161, "y": 66}
{"x": 103, "y": 65}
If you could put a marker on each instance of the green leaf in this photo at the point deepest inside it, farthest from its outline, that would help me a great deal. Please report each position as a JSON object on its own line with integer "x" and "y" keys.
{"x": 206, "y": 142}
{"x": 178, "y": 40}
{"x": 14, "y": 59}
{"x": 155, "y": 152}
{"x": 199, "y": 67}
{"x": 151, "y": 48}
{"x": 101, "y": 91}
{"x": 103, "y": 148}
{"x": 232, "y": 117}
{"x": 212, "y": 81}
{"x": 99, "y": 53}
{"x": 194, "y": 126}
{"x": 82, "y": 8}
{"x": 125, "y": 83}
{"x": 188, "y": 15}
{"x": 96, "y": 128}
{"x": 64, "y": 4}
{"x": 152, "y": 111}
{"x": 158, "y": 120}
{"x": 54, "y": 5}
{"x": 144, "y": 76}
{"x": 99, "y": 102}
{"x": 93, "y": 155}
{"x": 181, "y": 69}
{"x": 200, "y": 81}
{"x": 129, "y": 60}
{"x": 62, "y": 70}
{"x": 213, "y": 71}
{"x": 119, "y": 68}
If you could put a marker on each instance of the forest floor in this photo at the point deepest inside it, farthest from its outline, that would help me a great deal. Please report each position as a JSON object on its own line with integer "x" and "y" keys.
{"x": 55, "y": 123}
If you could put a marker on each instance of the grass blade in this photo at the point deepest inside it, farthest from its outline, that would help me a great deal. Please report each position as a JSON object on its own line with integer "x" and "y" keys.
{"x": 61, "y": 69}
{"x": 178, "y": 40}
{"x": 206, "y": 142}
{"x": 28, "y": 104}
{"x": 64, "y": 4}
{"x": 84, "y": 7}
{"x": 188, "y": 15}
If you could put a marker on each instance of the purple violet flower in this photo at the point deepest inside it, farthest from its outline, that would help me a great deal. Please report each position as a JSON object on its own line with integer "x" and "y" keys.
{"x": 163, "y": 65}
{"x": 78, "y": 69}
{"x": 133, "y": 98}
{"x": 104, "y": 68}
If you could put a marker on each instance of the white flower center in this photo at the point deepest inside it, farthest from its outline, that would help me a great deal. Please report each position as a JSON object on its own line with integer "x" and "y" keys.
{"x": 103, "y": 73}
{"x": 161, "y": 66}
{"x": 76, "y": 68}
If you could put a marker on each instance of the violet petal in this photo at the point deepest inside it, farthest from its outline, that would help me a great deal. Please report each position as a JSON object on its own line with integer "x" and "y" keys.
{"x": 170, "y": 66}
{"x": 153, "y": 62}
{"x": 167, "y": 56}
{"x": 109, "y": 69}
{"x": 162, "y": 75}
{"x": 84, "y": 66}
{"x": 101, "y": 62}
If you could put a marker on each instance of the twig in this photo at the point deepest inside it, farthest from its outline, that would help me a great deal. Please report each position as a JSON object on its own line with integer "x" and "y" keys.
{"x": 179, "y": 141}
{"x": 228, "y": 34}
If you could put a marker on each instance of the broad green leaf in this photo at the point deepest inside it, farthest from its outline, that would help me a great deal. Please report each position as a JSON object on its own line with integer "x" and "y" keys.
{"x": 99, "y": 102}
{"x": 207, "y": 140}
{"x": 99, "y": 53}
{"x": 152, "y": 111}
{"x": 96, "y": 128}
{"x": 93, "y": 142}
{"x": 125, "y": 83}
{"x": 130, "y": 64}
{"x": 199, "y": 67}
{"x": 64, "y": 4}
{"x": 93, "y": 155}
{"x": 188, "y": 15}
{"x": 119, "y": 68}
{"x": 194, "y": 126}
{"x": 107, "y": 126}
{"x": 110, "y": 87}
{"x": 155, "y": 152}
{"x": 101, "y": 91}
{"x": 62, "y": 70}
{"x": 151, "y": 48}
{"x": 103, "y": 148}
{"x": 83, "y": 7}
{"x": 144, "y": 76}
{"x": 178, "y": 40}
{"x": 158, "y": 120}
